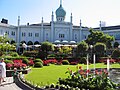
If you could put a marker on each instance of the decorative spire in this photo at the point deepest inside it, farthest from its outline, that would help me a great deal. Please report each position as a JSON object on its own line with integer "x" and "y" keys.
{"x": 18, "y": 20}
{"x": 80, "y": 23}
{"x": 52, "y": 12}
{"x": 42, "y": 19}
{"x": 61, "y": 2}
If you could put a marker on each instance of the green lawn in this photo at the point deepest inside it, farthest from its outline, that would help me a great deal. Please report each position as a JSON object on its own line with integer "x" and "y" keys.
{"x": 50, "y": 74}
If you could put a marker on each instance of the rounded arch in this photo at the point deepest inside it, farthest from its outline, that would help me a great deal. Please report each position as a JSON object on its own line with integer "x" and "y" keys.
{"x": 36, "y": 42}
{"x": 30, "y": 43}
{"x": 12, "y": 41}
{"x": 23, "y": 42}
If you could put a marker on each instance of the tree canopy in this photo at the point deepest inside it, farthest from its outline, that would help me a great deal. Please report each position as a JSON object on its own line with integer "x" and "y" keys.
{"x": 99, "y": 36}
{"x": 47, "y": 46}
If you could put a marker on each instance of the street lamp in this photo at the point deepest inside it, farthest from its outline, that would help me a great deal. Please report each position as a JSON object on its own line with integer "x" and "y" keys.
{"x": 91, "y": 46}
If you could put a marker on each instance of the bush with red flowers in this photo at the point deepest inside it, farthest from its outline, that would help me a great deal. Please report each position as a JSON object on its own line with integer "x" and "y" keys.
{"x": 49, "y": 61}
{"x": 85, "y": 79}
{"x": 9, "y": 66}
{"x": 30, "y": 63}
{"x": 73, "y": 63}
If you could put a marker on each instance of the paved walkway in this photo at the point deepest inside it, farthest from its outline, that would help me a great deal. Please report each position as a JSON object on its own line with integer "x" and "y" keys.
{"x": 9, "y": 85}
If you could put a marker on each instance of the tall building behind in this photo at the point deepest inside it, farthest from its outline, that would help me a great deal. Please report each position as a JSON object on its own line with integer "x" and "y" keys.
{"x": 58, "y": 29}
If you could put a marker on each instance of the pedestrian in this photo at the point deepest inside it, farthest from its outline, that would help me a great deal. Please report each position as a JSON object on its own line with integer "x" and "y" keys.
{"x": 15, "y": 74}
{"x": 3, "y": 70}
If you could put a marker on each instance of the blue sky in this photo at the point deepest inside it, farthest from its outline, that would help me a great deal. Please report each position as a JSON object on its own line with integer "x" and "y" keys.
{"x": 89, "y": 11}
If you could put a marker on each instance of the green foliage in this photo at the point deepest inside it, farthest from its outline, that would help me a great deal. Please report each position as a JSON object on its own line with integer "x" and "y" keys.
{"x": 38, "y": 60}
{"x": 4, "y": 38}
{"x": 116, "y": 44}
{"x": 82, "y": 80}
{"x": 30, "y": 53}
{"x": 100, "y": 50}
{"x": 8, "y": 61}
{"x": 116, "y": 53}
{"x": 65, "y": 62}
{"x": 99, "y": 36}
{"x": 14, "y": 54}
{"x": 51, "y": 55}
{"x": 38, "y": 65}
{"x": 100, "y": 47}
{"x": 5, "y": 46}
{"x": 83, "y": 60}
{"x": 65, "y": 50}
{"x": 82, "y": 47}
{"x": 25, "y": 61}
{"x": 47, "y": 46}
{"x": 53, "y": 72}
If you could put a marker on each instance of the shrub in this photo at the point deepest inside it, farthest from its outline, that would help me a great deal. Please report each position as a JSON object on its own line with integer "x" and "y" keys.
{"x": 116, "y": 53}
{"x": 83, "y": 60}
{"x": 9, "y": 66}
{"x": 31, "y": 63}
{"x": 8, "y": 61}
{"x": 30, "y": 53}
{"x": 38, "y": 64}
{"x": 25, "y": 61}
{"x": 73, "y": 63}
{"x": 14, "y": 54}
{"x": 65, "y": 62}
{"x": 38, "y": 60}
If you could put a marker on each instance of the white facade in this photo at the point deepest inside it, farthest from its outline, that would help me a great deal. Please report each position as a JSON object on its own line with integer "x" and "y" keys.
{"x": 55, "y": 30}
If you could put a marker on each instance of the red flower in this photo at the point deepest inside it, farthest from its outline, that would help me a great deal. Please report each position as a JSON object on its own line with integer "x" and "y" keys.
{"x": 96, "y": 71}
{"x": 9, "y": 65}
{"x": 87, "y": 71}
{"x": 31, "y": 62}
{"x": 81, "y": 72}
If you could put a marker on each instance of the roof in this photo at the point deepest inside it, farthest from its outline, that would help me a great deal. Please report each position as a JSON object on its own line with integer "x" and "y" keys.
{"x": 7, "y": 25}
{"x": 109, "y": 27}
{"x": 60, "y": 12}
{"x": 45, "y": 24}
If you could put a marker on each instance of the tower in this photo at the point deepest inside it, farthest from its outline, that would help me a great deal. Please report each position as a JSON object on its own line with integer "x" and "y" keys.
{"x": 52, "y": 27}
{"x": 60, "y": 13}
{"x": 18, "y": 32}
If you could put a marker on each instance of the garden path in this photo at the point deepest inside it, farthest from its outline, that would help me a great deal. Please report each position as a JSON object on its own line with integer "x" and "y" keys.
{"x": 9, "y": 85}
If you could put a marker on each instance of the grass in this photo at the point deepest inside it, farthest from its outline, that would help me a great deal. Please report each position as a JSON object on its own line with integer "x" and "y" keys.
{"x": 50, "y": 74}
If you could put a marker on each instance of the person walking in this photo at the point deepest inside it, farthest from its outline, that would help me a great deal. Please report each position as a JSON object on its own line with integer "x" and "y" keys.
{"x": 3, "y": 70}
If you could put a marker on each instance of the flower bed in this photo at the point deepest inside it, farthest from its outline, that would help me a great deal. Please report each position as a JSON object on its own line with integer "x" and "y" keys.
{"x": 85, "y": 79}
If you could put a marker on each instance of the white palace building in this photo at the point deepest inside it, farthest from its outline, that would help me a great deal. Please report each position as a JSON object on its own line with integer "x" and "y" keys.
{"x": 56, "y": 31}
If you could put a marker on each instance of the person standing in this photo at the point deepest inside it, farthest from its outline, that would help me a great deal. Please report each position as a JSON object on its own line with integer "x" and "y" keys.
{"x": 1, "y": 76}
{"x": 3, "y": 70}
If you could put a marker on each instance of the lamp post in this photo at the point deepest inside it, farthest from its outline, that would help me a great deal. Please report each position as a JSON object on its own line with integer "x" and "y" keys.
{"x": 91, "y": 47}
{"x": 94, "y": 61}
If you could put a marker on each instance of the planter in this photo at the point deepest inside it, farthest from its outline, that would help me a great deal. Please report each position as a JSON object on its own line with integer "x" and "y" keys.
{"x": 9, "y": 72}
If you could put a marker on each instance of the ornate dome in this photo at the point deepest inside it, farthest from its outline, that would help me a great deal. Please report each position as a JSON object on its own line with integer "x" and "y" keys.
{"x": 60, "y": 12}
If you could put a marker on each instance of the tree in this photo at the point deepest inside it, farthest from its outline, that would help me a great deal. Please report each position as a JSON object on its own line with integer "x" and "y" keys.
{"x": 82, "y": 47}
{"x": 65, "y": 50}
{"x": 116, "y": 44}
{"x": 100, "y": 49}
{"x": 47, "y": 46}
{"x": 99, "y": 36}
{"x": 116, "y": 54}
{"x": 4, "y": 44}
